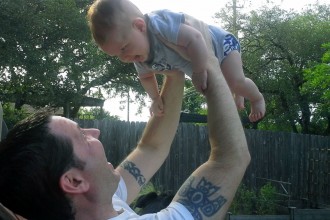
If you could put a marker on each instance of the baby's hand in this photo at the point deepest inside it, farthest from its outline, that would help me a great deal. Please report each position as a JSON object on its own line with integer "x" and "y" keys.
{"x": 200, "y": 81}
{"x": 157, "y": 107}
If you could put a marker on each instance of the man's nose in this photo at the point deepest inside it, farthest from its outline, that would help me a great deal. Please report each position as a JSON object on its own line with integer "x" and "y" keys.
{"x": 95, "y": 133}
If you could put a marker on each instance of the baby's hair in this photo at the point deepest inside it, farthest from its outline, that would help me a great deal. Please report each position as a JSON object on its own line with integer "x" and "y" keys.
{"x": 105, "y": 15}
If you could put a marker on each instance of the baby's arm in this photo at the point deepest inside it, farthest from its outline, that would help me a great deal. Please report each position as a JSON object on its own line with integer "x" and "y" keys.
{"x": 150, "y": 85}
{"x": 193, "y": 42}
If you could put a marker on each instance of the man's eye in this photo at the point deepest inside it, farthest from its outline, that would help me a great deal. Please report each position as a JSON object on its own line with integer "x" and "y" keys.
{"x": 124, "y": 48}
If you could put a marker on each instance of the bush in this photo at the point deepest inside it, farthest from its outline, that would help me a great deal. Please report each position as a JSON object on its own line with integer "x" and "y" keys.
{"x": 266, "y": 200}
{"x": 244, "y": 201}
{"x": 248, "y": 202}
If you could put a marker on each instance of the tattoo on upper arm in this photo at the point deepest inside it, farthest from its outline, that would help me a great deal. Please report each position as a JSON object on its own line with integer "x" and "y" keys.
{"x": 135, "y": 171}
{"x": 197, "y": 199}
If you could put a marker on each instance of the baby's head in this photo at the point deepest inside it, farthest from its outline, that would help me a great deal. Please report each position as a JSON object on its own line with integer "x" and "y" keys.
{"x": 106, "y": 16}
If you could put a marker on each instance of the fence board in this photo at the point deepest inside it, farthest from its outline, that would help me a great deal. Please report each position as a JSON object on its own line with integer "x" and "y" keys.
{"x": 301, "y": 160}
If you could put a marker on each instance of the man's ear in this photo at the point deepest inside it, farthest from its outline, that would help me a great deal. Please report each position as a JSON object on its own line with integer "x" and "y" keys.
{"x": 140, "y": 24}
{"x": 72, "y": 182}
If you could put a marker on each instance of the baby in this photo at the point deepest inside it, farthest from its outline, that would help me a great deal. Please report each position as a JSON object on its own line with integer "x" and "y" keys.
{"x": 165, "y": 41}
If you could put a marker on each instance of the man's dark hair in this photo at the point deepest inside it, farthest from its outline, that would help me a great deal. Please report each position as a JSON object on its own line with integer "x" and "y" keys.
{"x": 32, "y": 160}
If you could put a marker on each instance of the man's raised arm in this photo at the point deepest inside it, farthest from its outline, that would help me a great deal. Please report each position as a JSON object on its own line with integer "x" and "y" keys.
{"x": 154, "y": 146}
{"x": 208, "y": 192}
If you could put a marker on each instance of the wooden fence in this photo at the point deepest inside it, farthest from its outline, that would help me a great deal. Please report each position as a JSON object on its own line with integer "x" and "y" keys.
{"x": 299, "y": 163}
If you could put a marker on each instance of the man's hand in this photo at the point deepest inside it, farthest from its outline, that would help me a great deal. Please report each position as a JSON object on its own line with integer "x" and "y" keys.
{"x": 157, "y": 107}
{"x": 200, "y": 81}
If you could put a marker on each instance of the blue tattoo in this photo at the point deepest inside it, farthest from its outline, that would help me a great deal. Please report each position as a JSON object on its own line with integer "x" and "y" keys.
{"x": 197, "y": 199}
{"x": 135, "y": 171}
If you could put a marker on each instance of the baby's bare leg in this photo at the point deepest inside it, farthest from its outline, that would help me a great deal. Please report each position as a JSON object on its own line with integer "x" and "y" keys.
{"x": 243, "y": 87}
{"x": 239, "y": 101}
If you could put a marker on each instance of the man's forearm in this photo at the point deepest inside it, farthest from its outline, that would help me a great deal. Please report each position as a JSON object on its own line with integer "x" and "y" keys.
{"x": 226, "y": 133}
{"x": 160, "y": 131}
{"x": 156, "y": 140}
{"x": 220, "y": 176}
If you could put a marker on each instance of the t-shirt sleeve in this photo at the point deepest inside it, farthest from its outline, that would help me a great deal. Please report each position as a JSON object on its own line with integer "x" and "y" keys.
{"x": 174, "y": 211}
{"x": 166, "y": 23}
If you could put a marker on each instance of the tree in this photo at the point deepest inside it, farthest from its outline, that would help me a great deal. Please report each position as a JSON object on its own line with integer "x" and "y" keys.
{"x": 193, "y": 101}
{"x": 231, "y": 17}
{"x": 95, "y": 113}
{"x": 317, "y": 85}
{"x": 276, "y": 50}
{"x": 47, "y": 56}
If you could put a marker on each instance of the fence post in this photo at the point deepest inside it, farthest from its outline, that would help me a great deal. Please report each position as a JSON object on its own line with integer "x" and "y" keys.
{"x": 228, "y": 215}
{"x": 291, "y": 212}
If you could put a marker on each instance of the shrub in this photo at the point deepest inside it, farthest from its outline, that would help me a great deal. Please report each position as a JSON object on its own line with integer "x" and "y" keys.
{"x": 266, "y": 200}
{"x": 248, "y": 202}
{"x": 244, "y": 201}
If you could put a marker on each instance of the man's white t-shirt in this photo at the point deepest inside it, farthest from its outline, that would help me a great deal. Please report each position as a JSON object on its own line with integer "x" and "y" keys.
{"x": 175, "y": 211}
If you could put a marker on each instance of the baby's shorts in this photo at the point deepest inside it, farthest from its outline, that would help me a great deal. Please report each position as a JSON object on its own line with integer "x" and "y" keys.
{"x": 229, "y": 44}
{"x": 223, "y": 43}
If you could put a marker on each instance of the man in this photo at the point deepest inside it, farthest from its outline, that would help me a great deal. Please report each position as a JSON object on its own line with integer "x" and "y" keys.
{"x": 50, "y": 168}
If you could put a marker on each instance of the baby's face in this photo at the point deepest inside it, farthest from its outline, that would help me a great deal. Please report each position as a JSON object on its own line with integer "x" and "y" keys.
{"x": 129, "y": 45}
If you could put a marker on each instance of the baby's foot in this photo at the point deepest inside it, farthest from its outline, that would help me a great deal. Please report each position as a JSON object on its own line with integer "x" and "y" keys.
{"x": 258, "y": 110}
{"x": 239, "y": 100}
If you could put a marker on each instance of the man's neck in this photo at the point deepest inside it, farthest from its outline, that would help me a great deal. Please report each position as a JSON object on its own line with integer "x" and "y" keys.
{"x": 96, "y": 211}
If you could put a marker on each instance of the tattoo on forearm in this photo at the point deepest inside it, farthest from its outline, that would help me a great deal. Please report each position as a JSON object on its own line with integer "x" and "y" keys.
{"x": 197, "y": 199}
{"x": 135, "y": 171}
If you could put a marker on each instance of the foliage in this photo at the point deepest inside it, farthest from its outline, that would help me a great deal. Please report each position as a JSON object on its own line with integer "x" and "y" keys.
{"x": 266, "y": 200}
{"x": 47, "y": 56}
{"x": 11, "y": 115}
{"x": 276, "y": 50}
{"x": 95, "y": 114}
{"x": 243, "y": 202}
{"x": 317, "y": 84}
{"x": 230, "y": 17}
{"x": 247, "y": 202}
{"x": 193, "y": 101}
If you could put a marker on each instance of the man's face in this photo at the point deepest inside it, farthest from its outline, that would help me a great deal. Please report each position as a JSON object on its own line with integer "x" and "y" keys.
{"x": 100, "y": 174}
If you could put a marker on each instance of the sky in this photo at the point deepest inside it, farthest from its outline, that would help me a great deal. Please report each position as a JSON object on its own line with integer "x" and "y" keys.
{"x": 203, "y": 10}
